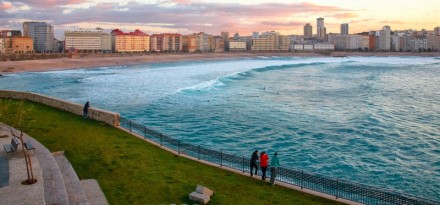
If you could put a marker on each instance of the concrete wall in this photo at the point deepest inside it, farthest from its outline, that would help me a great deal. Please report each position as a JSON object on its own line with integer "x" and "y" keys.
{"x": 110, "y": 118}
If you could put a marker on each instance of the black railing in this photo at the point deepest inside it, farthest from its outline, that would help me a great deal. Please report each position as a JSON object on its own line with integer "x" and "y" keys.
{"x": 335, "y": 187}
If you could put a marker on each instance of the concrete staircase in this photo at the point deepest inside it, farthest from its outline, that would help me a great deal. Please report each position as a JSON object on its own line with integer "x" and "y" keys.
{"x": 61, "y": 183}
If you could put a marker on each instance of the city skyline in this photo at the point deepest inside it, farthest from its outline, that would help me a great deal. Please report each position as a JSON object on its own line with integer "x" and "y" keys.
{"x": 186, "y": 16}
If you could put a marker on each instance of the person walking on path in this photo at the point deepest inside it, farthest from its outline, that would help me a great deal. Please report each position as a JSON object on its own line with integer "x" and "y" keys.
{"x": 86, "y": 110}
{"x": 274, "y": 164}
{"x": 264, "y": 159}
{"x": 253, "y": 162}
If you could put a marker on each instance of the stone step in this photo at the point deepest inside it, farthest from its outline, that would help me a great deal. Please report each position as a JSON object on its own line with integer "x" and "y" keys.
{"x": 95, "y": 196}
{"x": 73, "y": 185}
{"x": 53, "y": 182}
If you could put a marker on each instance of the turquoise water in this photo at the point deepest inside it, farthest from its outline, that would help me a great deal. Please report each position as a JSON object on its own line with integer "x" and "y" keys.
{"x": 373, "y": 120}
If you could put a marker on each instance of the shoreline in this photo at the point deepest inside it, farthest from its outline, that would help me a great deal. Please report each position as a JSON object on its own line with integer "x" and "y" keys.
{"x": 94, "y": 60}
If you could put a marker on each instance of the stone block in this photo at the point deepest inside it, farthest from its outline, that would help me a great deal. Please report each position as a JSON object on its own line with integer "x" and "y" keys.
{"x": 203, "y": 190}
{"x": 198, "y": 197}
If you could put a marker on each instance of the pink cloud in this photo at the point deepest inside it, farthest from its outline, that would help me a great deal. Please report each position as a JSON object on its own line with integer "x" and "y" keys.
{"x": 51, "y": 3}
{"x": 345, "y": 15}
{"x": 5, "y": 6}
{"x": 392, "y": 22}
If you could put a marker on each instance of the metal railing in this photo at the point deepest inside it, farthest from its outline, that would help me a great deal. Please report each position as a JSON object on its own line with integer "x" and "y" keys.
{"x": 335, "y": 187}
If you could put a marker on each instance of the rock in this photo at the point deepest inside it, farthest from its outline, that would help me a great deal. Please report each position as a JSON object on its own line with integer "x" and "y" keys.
{"x": 201, "y": 198}
{"x": 203, "y": 190}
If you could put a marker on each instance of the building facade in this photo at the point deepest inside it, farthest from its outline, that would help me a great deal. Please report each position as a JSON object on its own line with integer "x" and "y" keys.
{"x": 85, "y": 41}
{"x": 344, "y": 29}
{"x": 17, "y": 44}
{"x": 308, "y": 31}
{"x": 136, "y": 41}
{"x": 384, "y": 39}
{"x": 433, "y": 42}
{"x": 166, "y": 42}
{"x": 320, "y": 28}
{"x": 219, "y": 44}
{"x": 189, "y": 43}
{"x": 42, "y": 35}
{"x": 2, "y": 45}
{"x": 10, "y": 33}
{"x": 237, "y": 45}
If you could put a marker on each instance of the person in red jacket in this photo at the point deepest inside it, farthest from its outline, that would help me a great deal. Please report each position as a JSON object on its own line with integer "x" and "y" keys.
{"x": 264, "y": 159}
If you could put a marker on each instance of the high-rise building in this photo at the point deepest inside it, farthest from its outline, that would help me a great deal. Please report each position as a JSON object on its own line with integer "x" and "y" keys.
{"x": 384, "y": 38}
{"x": 321, "y": 30}
{"x": 42, "y": 34}
{"x": 136, "y": 41}
{"x": 225, "y": 36}
{"x": 344, "y": 29}
{"x": 437, "y": 30}
{"x": 308, "y": 31}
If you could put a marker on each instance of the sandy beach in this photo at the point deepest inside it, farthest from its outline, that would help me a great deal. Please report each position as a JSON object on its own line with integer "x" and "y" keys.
{"x": 96, "y": 60}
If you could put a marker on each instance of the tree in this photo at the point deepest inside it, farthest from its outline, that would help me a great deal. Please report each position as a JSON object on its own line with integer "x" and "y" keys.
{"x": 14, "y": 114}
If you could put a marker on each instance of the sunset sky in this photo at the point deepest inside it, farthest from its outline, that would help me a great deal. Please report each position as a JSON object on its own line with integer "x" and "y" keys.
{"x": 214, "y": 16}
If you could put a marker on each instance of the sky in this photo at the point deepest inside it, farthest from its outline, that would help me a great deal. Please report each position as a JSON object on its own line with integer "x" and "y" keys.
{"x": 214, "y": 16}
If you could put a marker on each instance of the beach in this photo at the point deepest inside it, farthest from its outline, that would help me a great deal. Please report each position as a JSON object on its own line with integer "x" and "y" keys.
{"x": 98, "y": 60}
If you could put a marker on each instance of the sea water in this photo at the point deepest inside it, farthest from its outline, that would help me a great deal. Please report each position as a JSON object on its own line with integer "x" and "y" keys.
{"x": 372, "y": 120}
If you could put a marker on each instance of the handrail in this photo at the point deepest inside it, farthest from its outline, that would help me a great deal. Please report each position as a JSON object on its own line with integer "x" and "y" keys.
{"x": 336, "y": 187}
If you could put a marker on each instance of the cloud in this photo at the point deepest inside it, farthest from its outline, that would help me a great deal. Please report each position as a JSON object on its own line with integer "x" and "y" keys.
{"x": 5, "y": 5}
{"x": 392, "y": 22}
{"x": 345, "y": 15}
{"x": 174, "y": 15}
{"x": 51, "y": 3}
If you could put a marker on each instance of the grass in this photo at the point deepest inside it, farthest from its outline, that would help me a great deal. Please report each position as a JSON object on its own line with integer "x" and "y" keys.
{"x": 132, "y": 171}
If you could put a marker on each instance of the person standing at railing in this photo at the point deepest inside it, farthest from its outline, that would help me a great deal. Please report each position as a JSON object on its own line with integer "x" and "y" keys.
{"x": 264, "y": 162}
{"x": 253, "y": 162}
{"x": 86, "y": 110}
{"x": 274, "y": 164}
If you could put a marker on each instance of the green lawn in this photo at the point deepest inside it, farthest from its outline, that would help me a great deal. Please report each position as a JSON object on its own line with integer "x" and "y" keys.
{"x": 132, "y": 171}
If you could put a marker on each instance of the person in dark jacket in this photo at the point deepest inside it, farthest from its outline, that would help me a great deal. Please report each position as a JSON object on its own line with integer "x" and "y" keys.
{"x": 253, "y": 161}
{"x": 264, "y": 162}
{"x": 86, "y": 110}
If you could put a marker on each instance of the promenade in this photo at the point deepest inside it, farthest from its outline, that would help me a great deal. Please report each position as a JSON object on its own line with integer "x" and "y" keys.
{"x": 57, "y": 182}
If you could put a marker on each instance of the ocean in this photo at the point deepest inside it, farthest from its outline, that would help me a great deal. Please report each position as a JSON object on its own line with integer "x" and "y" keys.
{"x": 372, "y": 120}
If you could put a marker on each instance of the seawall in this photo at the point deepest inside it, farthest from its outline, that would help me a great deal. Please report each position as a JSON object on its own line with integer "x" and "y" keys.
{"x": 107, "y": 117}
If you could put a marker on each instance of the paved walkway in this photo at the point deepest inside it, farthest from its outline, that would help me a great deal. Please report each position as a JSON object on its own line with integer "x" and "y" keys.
{"x": 15, "y": 192}
{"x": 57, "y": 181}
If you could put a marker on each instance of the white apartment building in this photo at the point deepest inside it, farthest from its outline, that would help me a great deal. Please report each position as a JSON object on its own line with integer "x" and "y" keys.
{"x": 237, "y": 45}
{"x": 384, "y": 38}
{"x": 87, "y": 41}
{"x": 418, "y": 44}
{"x": 313, "y": 47}
{"x": 324, "y": 47}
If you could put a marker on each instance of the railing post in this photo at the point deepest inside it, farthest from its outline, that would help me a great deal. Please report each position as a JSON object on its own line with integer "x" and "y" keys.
{"x": 178, "y": 147}
{"x": 302, "y": 179}
{"x": 129, "y": 124}
{"x": 145, "y": 132}
{"x": 198, "y": 154}
{"x": 161, "y": 140}
{"x": 242, "y": 163}
{"x": 221, "y": 158}
{"x": 337, "y": 188}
